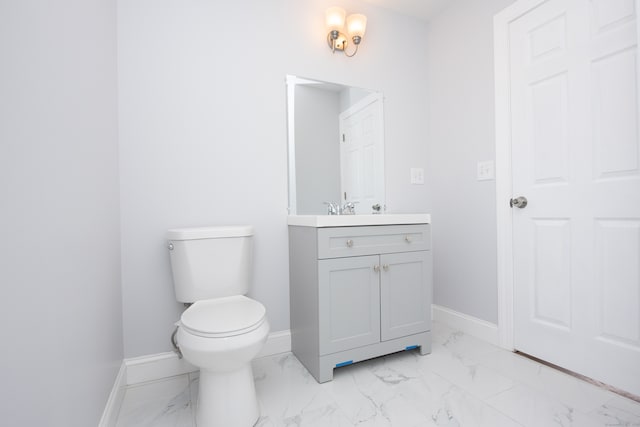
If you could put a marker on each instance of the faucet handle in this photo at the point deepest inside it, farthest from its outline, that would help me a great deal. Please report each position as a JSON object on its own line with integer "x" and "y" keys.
{"x": 349, "y": 208}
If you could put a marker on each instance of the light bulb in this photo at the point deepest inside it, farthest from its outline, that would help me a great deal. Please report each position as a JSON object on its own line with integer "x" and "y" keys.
{"x": 334, "y": 18}
{"x": 356, "y": 26}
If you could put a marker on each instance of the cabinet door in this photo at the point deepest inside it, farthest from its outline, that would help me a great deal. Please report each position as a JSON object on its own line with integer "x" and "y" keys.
{"x": 405, "y": 294}
{"x": 349, "y": 300}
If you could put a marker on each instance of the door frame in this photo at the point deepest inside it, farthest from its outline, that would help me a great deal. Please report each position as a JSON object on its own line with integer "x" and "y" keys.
{"x": 504, "y": 179}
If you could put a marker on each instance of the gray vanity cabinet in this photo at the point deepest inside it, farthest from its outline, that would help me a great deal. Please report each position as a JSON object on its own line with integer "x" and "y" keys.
{"x": 358, "y": 293}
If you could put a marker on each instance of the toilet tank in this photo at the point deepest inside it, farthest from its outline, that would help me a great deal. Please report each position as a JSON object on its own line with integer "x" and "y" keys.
{"x": 210, "y": 262}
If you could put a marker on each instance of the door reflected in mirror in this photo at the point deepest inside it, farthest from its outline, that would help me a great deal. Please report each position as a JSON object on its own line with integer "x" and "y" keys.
{"x": 336, "y": 146}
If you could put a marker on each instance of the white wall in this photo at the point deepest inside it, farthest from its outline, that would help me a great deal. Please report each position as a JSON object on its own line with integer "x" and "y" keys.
{"x": 461, "y": 133}
{"x": 202, "y": 110}
{"x": 59, "y": 225}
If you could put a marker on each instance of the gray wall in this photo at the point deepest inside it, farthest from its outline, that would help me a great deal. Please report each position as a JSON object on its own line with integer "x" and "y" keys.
{"x": 203, "y": 139}
{"x": 317, "y": 141}
{"x": 461, "y": 133}
{"x": 59, "y": 224}
{"x": 351, "y": 96}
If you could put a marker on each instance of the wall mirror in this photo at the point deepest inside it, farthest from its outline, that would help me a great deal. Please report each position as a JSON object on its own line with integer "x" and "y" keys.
{"x": 335, "y": 146}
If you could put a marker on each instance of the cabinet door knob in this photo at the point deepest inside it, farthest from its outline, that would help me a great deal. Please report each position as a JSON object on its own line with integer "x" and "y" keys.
{"x": 407, "y": 239}
{"x": 376, "y": 268}
{"x": 385, "y": 267}
{"x": 349, "y": 243}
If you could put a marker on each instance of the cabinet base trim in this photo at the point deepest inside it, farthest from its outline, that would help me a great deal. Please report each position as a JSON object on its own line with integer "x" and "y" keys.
{"x": 322, "y": 368}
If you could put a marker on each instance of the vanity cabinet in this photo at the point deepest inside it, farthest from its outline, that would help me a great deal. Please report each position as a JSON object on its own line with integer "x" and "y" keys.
{"x": 358, "y": 293}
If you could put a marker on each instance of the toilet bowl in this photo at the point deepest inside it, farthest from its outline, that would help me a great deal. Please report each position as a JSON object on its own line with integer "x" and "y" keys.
{"x": 221, "y": 336}
{"x": 222, "y": 330}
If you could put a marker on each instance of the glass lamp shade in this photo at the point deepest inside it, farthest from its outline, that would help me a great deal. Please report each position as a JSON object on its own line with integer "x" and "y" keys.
{"x": 335, "y": 18}
{"x": 356, "y": 25}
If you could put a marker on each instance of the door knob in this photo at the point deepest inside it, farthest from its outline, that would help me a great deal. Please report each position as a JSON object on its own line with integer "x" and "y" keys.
{"x": 518, "y": 202}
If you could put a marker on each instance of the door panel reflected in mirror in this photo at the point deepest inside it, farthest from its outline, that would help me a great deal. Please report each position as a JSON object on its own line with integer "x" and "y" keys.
{"x": 336, "y": 146}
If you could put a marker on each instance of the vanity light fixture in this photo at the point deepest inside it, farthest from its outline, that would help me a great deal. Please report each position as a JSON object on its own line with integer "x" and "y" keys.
{"x": 335, "y": 20}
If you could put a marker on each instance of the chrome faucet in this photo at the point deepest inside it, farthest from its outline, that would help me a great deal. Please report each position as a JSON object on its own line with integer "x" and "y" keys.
{"x": 348, "y": 208}
{"x": 333, "y": 208}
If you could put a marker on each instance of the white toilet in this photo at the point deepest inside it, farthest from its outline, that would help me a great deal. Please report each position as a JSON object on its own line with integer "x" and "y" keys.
{"x": 223, "y": 330}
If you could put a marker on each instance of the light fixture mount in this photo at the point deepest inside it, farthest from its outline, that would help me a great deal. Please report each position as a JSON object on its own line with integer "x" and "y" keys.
{"x": 335, "y": 21}
{"x": 336, "y": 40}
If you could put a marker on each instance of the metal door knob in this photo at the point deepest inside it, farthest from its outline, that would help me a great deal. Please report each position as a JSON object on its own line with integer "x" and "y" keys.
{"x": 519, "y": 202}
{"x": 349, "y": 243}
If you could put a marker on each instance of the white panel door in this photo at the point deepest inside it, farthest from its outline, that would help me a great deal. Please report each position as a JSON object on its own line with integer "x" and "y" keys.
{"x": 362, "y": 153}
{"x": 576, "y": 158}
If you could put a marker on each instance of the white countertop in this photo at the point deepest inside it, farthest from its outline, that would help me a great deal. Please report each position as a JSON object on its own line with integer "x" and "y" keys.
{"x": 356, "y": 220}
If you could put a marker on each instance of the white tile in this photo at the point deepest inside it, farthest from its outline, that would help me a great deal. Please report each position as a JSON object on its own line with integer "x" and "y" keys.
{"x": 369, "y": 395}
{"x": 618, "y": 411}
{"x": 558, "y": 385}
{"x": 164, "y": 403}
{"x": 464, "y": 382}
{"x": 476, "y": 379}
{"x": 460, "y": 344}
{"x": 287, "y": 393}
{"x": 458, "y": 408}
{"x": 532, "y": 408}
{"x": 194, "y": 383}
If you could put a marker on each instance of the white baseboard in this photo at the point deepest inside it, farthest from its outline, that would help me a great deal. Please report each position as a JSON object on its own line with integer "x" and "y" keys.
{"x": 163, "y": 365}
{"x": 473, "y": 326}
{"x": 277, "y": 342}
{"x": 156, "y": 366}
{"x": 112, "y": 408}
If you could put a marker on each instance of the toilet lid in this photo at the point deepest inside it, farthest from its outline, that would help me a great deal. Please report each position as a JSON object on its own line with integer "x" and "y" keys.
{"x": 223, "y": 316}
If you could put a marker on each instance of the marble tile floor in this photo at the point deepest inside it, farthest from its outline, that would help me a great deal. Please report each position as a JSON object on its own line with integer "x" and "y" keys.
{"x": 464, "y": 382}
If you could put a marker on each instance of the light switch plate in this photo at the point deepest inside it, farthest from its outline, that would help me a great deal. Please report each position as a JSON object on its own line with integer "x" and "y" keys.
{"x": 417, "y": 176}
{"x": 486, "y": 170}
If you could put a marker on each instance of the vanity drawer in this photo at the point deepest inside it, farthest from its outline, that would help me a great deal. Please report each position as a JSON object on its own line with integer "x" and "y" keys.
{"x": 336, "y": 242}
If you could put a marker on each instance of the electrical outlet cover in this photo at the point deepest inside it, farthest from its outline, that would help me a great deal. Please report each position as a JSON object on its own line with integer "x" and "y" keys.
{"x": 417, "y": 176}
{"x": 486, "y": 170}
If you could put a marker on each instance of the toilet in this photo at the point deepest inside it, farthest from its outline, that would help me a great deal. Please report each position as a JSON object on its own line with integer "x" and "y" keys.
{"x": 222, "y": 330}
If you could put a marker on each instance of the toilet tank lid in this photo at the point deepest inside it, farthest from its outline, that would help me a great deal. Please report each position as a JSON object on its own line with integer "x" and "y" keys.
{"x": 214, "y": 232}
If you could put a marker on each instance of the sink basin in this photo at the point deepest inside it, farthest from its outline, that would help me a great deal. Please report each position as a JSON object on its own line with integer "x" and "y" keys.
{"x": 357, "y": 220}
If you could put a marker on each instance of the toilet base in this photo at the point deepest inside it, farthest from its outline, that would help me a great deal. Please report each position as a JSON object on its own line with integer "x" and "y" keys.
{"x": 227, "y": 399}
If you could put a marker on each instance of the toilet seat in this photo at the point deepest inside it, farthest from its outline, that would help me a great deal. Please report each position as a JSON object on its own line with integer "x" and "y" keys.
{"x": 223, "y": 317}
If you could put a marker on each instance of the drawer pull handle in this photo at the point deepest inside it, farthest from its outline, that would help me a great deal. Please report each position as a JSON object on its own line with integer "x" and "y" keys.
{"x": 349, "y": 243}
{"x": 376, "y": 268}
{"x": 407, "y": 239}
{"x": 385, "y": 267}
